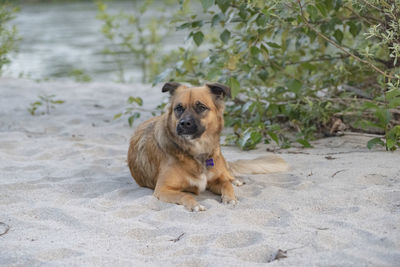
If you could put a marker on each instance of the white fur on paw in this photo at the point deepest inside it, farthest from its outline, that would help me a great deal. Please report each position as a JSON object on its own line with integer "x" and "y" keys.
{"x": 198, "y": 207}
{"x": 228, "y": 200}
{"x": 237, "y": 182}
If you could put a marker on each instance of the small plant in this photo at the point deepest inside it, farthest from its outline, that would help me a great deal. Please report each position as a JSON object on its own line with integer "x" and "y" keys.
{"x": 383, "y": 110}
{"x": 133, "y": 110}
{"x": 46, "y": 101}
{"x": 8, "y": 35}
{"x": 80, "y": 76}
{"x": 132, "y": 40}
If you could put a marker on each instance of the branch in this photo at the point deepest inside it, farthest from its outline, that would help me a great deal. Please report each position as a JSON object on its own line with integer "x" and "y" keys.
{"x": 371, "y": 5}
{"x": 317, "y": 59}
{"x": 340, "y": 47}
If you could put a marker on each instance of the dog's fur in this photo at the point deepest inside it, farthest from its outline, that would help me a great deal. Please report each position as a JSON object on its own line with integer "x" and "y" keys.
{"x": 168, "y": 153}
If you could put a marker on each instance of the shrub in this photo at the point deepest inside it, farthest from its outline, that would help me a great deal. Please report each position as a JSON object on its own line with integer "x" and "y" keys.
{"x": 8, "y": 34}
{"x": 299, "y": 66}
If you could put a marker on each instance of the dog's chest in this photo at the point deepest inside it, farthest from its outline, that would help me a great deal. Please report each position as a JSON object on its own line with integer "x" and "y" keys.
{"x": 201, "y": 181}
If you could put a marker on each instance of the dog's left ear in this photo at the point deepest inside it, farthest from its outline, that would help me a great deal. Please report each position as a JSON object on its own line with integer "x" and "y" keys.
{"x": 219, "y": 90}
{"x": 170, "y": 87}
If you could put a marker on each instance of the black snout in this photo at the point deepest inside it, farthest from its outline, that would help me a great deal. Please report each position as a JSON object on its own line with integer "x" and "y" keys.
{"x": 186, "y": 122}
{"x": 187, "y": 126}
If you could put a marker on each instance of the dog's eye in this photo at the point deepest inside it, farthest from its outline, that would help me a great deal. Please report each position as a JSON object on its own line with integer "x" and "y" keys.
{"x": 201, "y": 108}
{"x": 179, "y": 108}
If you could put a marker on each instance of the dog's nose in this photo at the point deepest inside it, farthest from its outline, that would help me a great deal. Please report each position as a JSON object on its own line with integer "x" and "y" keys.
{"x": 186, "y": 122}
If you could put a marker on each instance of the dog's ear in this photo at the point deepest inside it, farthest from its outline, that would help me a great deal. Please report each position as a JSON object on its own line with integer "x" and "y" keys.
{"x": 170, "y": 87}
{"x": 219, "y": 90}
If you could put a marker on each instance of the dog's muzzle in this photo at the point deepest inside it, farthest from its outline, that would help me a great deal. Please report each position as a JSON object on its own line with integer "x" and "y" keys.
{"x": 186, "y": 126}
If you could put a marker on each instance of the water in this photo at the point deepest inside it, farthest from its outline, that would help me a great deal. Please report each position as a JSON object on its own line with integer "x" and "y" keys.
{"x": 58, "y": 38}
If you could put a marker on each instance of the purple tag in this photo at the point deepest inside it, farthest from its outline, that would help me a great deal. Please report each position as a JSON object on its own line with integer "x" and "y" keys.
{"x": 210, "y": 163}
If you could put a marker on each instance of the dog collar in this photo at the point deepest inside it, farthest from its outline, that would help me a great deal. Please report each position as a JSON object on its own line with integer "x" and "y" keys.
{"x": 210, "y": 163}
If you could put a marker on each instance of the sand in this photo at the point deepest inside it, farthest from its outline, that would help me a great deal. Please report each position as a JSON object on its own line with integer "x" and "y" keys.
{"x": 67, "y": 198}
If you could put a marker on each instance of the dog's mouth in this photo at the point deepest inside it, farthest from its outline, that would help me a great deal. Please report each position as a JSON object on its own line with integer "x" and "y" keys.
{"x": 189, "y": 134}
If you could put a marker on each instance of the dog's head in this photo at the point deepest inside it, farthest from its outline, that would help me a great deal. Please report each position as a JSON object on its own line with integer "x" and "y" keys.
{"x": 196, "y": 112}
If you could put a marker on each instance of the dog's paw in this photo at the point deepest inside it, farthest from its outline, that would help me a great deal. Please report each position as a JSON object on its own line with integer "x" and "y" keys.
{"x": 237, "y": 182}
{"x": 228, "y": 200}
{"x": 197, "y": 208}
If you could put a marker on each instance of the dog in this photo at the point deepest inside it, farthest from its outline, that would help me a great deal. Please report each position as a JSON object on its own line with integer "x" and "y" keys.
{"x": 178, "y": 153}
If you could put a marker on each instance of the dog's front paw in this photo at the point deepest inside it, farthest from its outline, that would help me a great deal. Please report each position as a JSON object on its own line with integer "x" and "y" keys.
{"x": 197, "y": 208}
{"x": 228, "y": 200}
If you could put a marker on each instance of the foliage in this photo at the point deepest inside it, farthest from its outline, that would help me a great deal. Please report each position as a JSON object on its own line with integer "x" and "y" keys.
{"x": 8, "y": 35}
{"x": 295, "y": 68}
{"x": 293, "y": 65}
{"x": 47, "y": 101}
{"x": 80, "y": 76}
{"x": 133, "y": 110}
{"x": 133, "y": 38}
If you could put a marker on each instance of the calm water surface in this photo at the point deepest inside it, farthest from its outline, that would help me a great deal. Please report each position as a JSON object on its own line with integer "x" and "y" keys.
{"x": 60, "y": 37}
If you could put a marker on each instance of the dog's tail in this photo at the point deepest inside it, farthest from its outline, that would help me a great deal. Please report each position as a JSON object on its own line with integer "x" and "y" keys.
{"x": 261, "y": 165}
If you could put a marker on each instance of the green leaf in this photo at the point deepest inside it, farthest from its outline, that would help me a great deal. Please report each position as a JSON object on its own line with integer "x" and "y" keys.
{"x": 313, "y": 11}
{"x": 249, "y": 139}
{"x": 136, "y": 100}
{"x": 116, "y": 116}
{"x": 394, "y": 103}
{"x": 197, "y": 24}
{"x": 384, "y": 116}
{"x": 254, "y": 51}
{"x": 261, "y": 20}
{"x": 207, "y": 4}
{"x": 274, "y": 137}
{"x": 184, "y": 26}
{"x": 370, "y": 105}
{"x": 304, "y": 143}
{"x": 294, "y": 86}
{"x": 223, "y": 5}
{"x": 392, "y": 94}
{"x": 234, "y": 85}
{"x": 263, "y": 75}
{"x": 198, "y": 38}
{"x": 57, "y": 101}
{"x": 130, "y": 120}
{"x": 273, "y": 45}
{"x": 355, "y": 28}
{"x": 375, "y": 141}
{"x": 390, "y": 144}
{"x": 225, "y": 36}
{"x": 322, "y": 8}
{"x": 216, "y": 19}
{"x": 338, "y": 34}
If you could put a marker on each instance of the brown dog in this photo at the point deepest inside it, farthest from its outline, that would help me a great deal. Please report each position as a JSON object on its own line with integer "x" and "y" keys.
{"x": 178, "y": 153}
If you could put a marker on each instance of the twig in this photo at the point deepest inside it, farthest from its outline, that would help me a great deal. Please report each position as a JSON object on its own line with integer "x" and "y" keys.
{"x": 178, "y": 238}
{"x": 6, "y": 228}
{"x": 280, "y": 254}
{"x": 363, "y": 134}
{"x": 371, "y": 5}
{"x": 333, "y": 175}
{"x": 356, "y": 91}
{"x": 340, "y": 47}
{"x": 317, "y": 59}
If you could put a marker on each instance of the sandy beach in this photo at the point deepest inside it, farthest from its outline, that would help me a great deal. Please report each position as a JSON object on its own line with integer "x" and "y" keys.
{"x": 67, "y": 197}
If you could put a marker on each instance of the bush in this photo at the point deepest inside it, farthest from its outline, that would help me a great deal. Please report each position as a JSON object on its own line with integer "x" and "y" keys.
{"x": 299, "y": 66}
{"x": 297, "y": 69}
{"x": 8, "y": 35}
